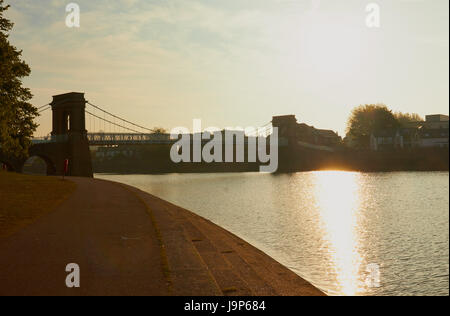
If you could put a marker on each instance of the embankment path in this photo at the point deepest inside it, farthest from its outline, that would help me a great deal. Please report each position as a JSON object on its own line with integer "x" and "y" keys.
{"x": 128, "y": 242}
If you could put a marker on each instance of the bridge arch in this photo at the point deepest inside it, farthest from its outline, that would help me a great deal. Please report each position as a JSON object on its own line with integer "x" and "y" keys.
{"x": 68, "y": 140}
{"x": 49, "y": 163}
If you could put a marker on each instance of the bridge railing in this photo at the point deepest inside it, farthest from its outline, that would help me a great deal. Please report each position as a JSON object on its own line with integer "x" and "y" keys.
{"x": 50, "y": 139}
{"x": 116, "y": 138}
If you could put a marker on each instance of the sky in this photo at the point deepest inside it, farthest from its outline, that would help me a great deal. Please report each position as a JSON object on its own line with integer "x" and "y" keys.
{"x": 236, "y": 62}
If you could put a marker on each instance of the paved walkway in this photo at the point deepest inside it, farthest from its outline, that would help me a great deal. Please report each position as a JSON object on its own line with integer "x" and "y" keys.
{"x": 103, "y": 228}
{"x": 128, "y": 242}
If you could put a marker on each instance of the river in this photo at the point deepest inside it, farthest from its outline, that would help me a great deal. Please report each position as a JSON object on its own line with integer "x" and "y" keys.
{"x": 348, "y": 233}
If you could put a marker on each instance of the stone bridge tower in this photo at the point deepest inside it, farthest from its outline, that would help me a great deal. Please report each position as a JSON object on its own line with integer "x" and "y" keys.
{"x": 69, "y": 131}
{"x": 68, "y": 141}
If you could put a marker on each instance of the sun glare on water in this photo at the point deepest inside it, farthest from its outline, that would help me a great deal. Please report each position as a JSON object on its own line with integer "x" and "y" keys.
{"x": 337, "y": 201}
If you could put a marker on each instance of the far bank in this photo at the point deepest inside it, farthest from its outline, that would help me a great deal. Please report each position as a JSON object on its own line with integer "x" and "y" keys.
{"x": 155, "y": 159}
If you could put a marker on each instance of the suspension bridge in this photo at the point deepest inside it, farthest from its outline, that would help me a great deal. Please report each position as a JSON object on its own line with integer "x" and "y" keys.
{"x": 78, "y": 124}
{"x": 107, "y": 129}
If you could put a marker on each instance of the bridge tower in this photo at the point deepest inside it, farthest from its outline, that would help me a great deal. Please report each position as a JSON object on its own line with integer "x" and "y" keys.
{"x": 69, "y": 124}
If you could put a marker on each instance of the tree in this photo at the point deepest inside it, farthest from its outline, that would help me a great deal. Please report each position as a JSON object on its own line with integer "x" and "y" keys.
{"x": 366, "y": 119}
{"x": 405, "y": 118}
{"x": 159, "y": 130}
{"x": 16, "y": 113}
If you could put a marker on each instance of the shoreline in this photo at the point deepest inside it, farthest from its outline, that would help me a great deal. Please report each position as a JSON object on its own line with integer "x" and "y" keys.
{"x": 290, "y": 160}
{"x": 210, "y": 240}
{"x": 128, "y": 242}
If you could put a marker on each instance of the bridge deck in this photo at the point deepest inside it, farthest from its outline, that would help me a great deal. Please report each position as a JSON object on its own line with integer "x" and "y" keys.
{"x": 100, "y": 139}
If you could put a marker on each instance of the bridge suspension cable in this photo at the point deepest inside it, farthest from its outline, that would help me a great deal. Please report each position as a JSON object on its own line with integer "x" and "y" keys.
{"x": 113, "y": 123}
{"x": 41, "y": 107}
{"x": 119, "y": 118}
{"x": 43, "y": 110}
{"x": 261, "y": 130}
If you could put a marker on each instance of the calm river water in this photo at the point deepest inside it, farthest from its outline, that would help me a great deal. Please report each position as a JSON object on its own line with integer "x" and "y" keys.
{"x": 339, "y": 230}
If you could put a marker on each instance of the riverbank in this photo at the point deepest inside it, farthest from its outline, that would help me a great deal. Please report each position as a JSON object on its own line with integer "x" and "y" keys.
{"x": 328, "y": 226}
{"x": 128, "y": 242}
{"x": 154, "y": 159}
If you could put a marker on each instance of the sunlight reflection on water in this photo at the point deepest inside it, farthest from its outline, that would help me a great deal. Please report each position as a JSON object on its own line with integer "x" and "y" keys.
{"x": 338, "y": 209}
{"x": 329, "y": 227}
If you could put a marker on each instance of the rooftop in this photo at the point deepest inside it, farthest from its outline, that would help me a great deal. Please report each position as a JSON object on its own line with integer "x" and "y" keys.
{"x": 437, "y": 118}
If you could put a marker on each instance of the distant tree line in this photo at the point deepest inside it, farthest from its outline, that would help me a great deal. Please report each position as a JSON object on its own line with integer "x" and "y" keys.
{"x": 366, "y": 119}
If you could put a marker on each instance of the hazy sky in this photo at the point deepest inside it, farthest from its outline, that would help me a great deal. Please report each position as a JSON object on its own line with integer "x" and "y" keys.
{"x": 237, "y": 62}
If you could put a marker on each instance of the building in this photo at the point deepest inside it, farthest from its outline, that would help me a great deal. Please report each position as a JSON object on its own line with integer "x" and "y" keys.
{"x": 437, "y": 118}
{"x": 434, "y": 121}
{"x": 432, "y": 133}
{"x": 433, "y": 138}
{"x": 327, "y": 137}
{"x": 394, "y": 139}
{"x": 289, "y": 128}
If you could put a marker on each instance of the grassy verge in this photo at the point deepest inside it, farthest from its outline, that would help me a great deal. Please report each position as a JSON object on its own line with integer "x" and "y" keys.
{"x": 25, "y": 198}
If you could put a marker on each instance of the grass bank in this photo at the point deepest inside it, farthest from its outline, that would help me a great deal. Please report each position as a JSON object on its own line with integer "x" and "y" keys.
{"x": 25, "y": 198}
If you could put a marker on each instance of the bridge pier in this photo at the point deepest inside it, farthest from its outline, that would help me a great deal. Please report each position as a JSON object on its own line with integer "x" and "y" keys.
{"x": 68, "y": 138}
{"x": 69, "y": 123}
{"x": 80, "y": 164}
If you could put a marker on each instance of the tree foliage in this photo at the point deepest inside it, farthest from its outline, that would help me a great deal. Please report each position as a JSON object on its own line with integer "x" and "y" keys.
{"x": 16, "y": 113}
{"x": 366, "y": 119}
{"x": 405, "y": 118}
{"x": 159, "y": 130}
